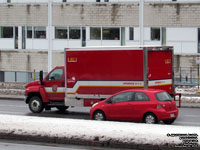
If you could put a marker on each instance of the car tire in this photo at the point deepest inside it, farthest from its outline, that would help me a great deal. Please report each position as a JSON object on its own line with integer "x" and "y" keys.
{"x": 150, "y": 118}
{"x": 36, "y": 105}
{"x": 170, "y": 121}
{"x": 62, "y": 108}
{"x": 99, "y": 115}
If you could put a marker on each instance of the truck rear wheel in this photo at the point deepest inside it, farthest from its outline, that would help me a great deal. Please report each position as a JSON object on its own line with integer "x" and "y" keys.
{"x": 36, "y": 105}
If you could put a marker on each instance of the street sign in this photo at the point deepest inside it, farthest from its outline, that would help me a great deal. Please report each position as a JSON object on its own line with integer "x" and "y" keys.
{"x": 198, "y": 60}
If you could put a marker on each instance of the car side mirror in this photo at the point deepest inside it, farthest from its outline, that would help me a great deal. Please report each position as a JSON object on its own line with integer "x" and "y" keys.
{"x": 41, "y": 77}
{"x": 109, "y": 101}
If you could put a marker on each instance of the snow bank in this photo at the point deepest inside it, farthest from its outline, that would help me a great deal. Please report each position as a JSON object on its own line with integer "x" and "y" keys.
{"x": 89, "y": 130}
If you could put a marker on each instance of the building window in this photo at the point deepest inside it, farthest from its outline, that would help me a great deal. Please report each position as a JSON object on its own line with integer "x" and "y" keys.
{"x": 155, "y": 34}
{"x": 74, "y": 33}
{"x": 29, "y": 32}
{"x": 111, "y": 33}
{"x": 131, "y": 33}
{"x": 95, "y": 33}
{"x": 98, "y": 0}
{"x": 106, "y": 0}
{"x": 6, "y": 32}
{"x": 61, "y": 33}
{"x": 40, "y": 32}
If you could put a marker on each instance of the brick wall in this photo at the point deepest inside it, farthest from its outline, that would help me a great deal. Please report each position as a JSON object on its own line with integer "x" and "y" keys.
{"x": 29, "y": 60}
{"x": 101, "y": 14}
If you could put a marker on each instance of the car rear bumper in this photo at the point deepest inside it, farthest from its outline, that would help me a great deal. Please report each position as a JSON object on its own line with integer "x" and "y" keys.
{"x": 166, "y": 115}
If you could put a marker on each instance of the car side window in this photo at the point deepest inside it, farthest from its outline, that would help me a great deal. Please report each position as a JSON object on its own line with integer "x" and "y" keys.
{"x": 122, "y": 97}
{"x": 140, "y": 96}
{"x": 55, "y": 75}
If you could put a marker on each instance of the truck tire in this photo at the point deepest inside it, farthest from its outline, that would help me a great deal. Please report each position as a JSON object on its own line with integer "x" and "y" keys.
{"x": 62, "y": 108}
{"x": 170, "y": 121}
{"x": 150, "y": 118}
{"x": 99, "y": 115}
{"x": 36, "y": 105}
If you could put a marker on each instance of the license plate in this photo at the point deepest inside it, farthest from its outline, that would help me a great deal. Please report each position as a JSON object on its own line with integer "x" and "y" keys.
{"x": 172, "y": 115}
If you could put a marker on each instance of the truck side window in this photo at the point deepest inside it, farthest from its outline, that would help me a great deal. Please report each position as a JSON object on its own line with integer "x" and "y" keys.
{"x": 55, "y": 75}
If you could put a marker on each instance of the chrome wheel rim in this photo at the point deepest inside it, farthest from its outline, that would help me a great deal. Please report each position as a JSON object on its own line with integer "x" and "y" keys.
{"x": 35, "y": 105}
{"x": 150, "y": 119}
{"x": 99, "y": 116}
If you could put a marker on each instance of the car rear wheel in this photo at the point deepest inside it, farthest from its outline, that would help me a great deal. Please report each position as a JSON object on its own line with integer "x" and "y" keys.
{"x": 150, "y": 118}
{"x": 99, "y": 115}
{"x": 36, "y": 105}
{"x": 170, "y": 121}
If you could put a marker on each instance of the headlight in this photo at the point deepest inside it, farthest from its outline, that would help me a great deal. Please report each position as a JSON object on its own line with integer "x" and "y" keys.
{"x": 94, "y": 104}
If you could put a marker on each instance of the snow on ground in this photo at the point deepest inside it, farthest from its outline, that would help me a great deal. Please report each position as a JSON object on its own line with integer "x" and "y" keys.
{"x": 90, "y": 130}
{"x": 190, "y": 94}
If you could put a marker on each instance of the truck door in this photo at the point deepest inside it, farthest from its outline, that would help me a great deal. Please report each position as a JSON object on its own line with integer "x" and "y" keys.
{"x": 54, "y": 85}
{"x": 160, "y": 70}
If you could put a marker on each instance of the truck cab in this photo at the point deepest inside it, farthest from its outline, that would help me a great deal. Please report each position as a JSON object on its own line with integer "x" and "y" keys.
{"x": 48, "y": 92}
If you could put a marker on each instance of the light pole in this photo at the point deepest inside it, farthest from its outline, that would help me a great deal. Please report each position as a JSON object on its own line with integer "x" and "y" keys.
{"x": 141, "y": 21}
{"x": 49, "y": 35}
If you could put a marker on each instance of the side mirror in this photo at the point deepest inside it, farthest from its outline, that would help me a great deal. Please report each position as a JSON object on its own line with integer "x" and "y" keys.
{"x": 109, "y": 101}
{"x": 41, "y": 77}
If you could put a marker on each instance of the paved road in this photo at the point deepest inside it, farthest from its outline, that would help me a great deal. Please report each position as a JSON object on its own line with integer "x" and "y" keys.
{"x": 19, "y": 145}
{"x": 187, "y": 116}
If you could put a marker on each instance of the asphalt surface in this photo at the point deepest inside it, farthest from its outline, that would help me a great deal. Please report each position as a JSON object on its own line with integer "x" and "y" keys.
{"x": 19, "y": 145}
{"x": 187, "y": 116}
{"x": 15, "y": 106}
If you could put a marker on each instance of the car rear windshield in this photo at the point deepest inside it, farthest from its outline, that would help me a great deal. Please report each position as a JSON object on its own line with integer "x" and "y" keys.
{"x": 163, "y": 96}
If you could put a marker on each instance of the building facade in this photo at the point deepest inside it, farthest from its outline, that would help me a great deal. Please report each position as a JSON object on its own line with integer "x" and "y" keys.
{"x": 77, "y": 23}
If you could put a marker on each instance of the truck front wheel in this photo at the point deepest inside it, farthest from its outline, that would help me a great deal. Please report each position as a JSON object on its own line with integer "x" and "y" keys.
{"x": 36, "y": 105}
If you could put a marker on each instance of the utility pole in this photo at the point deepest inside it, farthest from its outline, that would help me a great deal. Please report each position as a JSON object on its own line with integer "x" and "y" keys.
{"x": 141, "y": 21}
{"x": 50, "y": 35}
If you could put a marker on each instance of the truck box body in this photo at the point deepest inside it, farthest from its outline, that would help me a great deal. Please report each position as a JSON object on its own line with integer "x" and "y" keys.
{"x": 95, "y": 73}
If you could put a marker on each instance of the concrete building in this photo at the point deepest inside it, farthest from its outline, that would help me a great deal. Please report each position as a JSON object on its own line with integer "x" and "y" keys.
{"x": 75, "y": 23}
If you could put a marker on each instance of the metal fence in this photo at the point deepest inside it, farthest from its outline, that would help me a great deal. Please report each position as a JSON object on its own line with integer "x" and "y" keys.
{"x": 182, "y": 76}
{"x": 186, "y": 76}
{"x": 10, "y": 76}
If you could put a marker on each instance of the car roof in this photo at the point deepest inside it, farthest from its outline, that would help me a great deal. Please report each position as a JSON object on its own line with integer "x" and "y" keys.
{"x": 149, "y": 90}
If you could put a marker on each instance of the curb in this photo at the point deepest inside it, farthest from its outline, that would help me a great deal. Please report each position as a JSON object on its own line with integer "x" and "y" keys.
{"x": 12, "y": 97}
{"x": 95, "y": 142}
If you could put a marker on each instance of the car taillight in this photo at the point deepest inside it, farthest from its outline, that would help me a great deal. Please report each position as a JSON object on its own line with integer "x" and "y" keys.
{"x": 159, "y": 106}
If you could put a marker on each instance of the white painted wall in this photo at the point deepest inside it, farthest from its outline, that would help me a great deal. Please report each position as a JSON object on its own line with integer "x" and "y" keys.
{"x": 184, "y": 40}
{"x": 7, "y": 43}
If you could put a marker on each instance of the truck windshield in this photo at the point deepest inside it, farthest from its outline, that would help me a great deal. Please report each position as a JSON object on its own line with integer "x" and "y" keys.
{"x": 56, "y": 75}
{"x": 163, "y": 96}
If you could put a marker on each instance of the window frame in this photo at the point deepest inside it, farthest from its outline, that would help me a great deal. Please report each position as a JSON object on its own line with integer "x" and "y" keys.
{"x": 154, "y": 35}
{"x": 70, "y": 33}
{"x": 48, "y": 78}
{"x": 110, "y": 100}
{"x": 66, "y": 33}
{"x": 117, "y": 38}
{"x": 39, "y": 30}
{"x": 27, "y": 30}
{"x": 131, "y": 38}
{"x": 148, "y": 99}
{"x": 8, "y": 36}
{"x": 99, "y": 33}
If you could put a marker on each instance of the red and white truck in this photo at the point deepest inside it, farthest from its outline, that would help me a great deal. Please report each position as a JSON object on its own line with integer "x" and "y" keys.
{"x": 91, "y": 74}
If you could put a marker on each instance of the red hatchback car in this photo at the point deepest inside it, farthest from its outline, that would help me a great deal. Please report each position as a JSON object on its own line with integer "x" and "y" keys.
{"x": 139, "y": 105}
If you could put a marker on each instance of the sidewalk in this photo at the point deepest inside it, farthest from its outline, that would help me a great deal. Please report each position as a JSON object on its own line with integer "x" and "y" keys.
{"x": 98, "y": 133}
{"x": 21, "y": 97}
